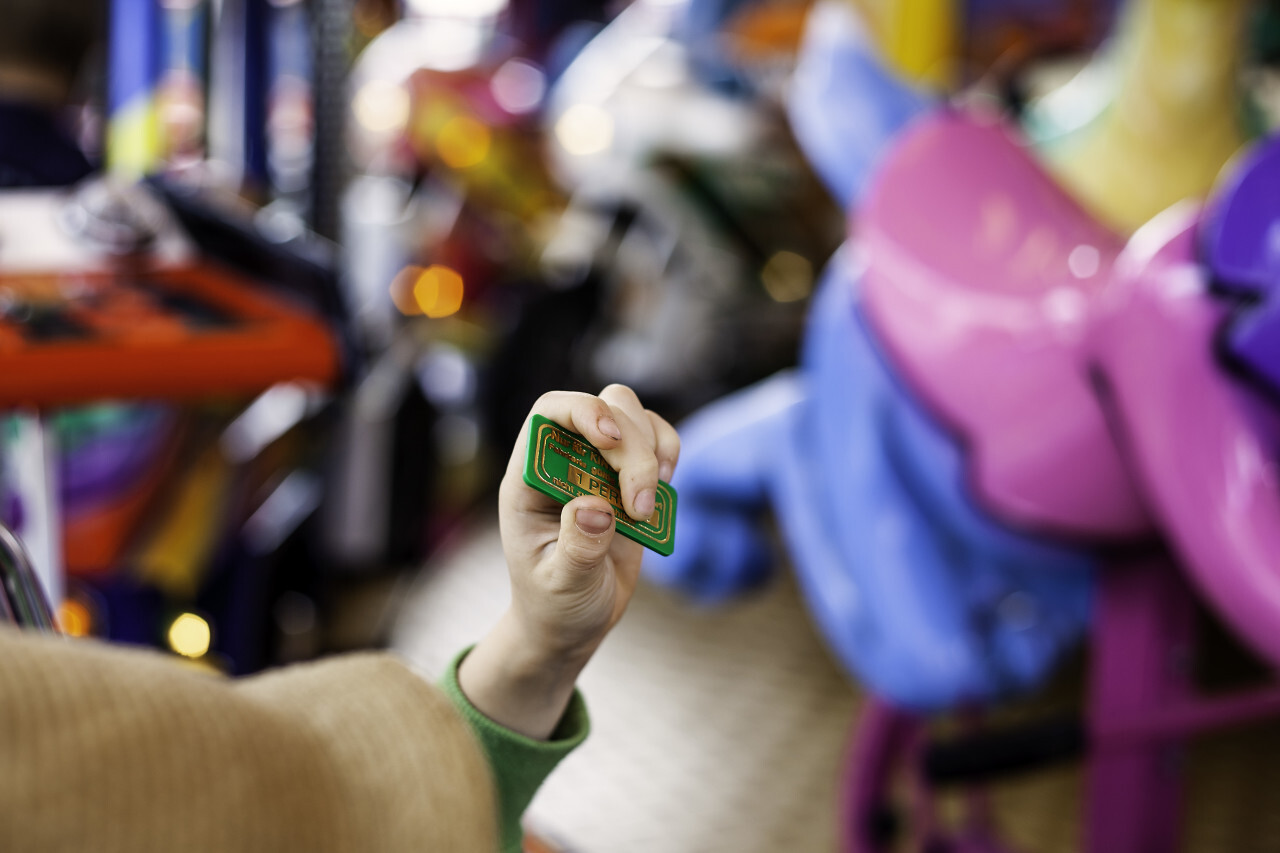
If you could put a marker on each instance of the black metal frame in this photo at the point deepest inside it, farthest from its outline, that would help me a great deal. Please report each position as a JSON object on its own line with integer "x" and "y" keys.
{"x": 22, "y": 598}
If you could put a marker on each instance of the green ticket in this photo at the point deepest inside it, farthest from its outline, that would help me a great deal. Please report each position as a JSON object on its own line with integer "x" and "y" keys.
{"x": 564, "y": 465}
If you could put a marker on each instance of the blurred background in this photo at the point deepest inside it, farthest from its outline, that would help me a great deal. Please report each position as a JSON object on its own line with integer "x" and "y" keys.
{"x": 961, "y": 307}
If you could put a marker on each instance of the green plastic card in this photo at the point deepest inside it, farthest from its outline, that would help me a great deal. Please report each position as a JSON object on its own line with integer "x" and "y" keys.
{"x": 564, "y": 465}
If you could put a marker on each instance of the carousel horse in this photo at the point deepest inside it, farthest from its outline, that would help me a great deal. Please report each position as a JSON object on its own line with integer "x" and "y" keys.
{"x": 928, "y": 601}
{"x": 1095, "y": 369}
{"x": 979, "y": 368}
{"x": 961, "y": 581}
{"x": 1147, "y": 417}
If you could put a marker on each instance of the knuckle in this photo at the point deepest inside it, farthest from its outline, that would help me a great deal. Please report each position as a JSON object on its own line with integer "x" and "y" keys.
{"x": 594, "y": 407}
{"x": 618, "y": 391}
{"x": 643, "y": 469}
{"x": 580, "y": 555}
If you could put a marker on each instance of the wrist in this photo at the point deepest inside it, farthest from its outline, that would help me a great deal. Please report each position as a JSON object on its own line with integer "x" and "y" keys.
{"x": 532, "y": 656}
{"x": 519, "y": 682}
{"x": 558, "y": 645}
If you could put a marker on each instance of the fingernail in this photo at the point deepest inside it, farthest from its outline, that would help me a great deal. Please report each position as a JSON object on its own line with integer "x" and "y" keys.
{"x": 609, "y": 427}
{"x": 665, "y": 470}
{"x": 644, "y": 503}
{"x": 593, "y": 522}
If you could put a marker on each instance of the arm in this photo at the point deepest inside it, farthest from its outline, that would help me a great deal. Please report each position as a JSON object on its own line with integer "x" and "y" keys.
{"x": 571, "y": 576}
{"x": 123, "y": 749}
{"x": 571, "y": 581}
{"x": 117, "y": 749}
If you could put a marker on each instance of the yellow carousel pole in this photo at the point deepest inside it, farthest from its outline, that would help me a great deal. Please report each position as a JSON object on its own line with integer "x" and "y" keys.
{"x": 1175, "y": 118}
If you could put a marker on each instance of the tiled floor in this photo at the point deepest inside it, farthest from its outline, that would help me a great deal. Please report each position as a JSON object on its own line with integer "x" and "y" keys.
{"x": 722, "y": 731}
{"x": 713, "y": 730}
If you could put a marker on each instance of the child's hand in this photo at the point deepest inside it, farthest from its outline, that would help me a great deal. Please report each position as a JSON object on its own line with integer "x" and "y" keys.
{"x": 571, "y": 574}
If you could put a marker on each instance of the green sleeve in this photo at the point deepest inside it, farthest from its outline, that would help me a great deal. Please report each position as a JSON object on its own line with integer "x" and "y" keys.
{"x": 519, "y": 763}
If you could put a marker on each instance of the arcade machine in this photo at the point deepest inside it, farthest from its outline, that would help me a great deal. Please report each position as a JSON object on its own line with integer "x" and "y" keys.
{"x": 170, "y": 505}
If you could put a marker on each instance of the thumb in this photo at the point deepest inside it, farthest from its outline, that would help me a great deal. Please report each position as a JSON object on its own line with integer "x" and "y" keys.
{"x": 586, "y": 531}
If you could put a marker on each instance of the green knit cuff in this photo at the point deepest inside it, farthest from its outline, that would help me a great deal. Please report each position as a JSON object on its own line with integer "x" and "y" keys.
{"x": 520, "y": 763}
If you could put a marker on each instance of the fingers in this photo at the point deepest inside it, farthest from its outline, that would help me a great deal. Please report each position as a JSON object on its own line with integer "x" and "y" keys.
{"x": 634, "y": 458}
{"x": 666, "y": 447}
{"x": 638, "y": 444}
{"x": 622, "y": 399}
{"x": 662, "y": 436}
{"x": 585, "y": 414}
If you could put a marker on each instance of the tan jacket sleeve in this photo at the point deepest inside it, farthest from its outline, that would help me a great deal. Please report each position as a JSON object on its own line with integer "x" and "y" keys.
{"x": 111, "y": 749}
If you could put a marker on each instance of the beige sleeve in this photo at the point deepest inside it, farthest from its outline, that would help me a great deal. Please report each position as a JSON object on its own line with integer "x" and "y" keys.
{"x": 111, "y": 749}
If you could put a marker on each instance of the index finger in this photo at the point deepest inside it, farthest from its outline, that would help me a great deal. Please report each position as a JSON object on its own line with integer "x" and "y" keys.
{"x": 627, "y": 446}
{"x": 585, "y": 414}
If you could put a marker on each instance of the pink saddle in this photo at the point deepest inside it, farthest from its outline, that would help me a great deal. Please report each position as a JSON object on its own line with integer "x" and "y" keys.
{"x": 982, "y": 280}
{"x": 1048, "y": 346}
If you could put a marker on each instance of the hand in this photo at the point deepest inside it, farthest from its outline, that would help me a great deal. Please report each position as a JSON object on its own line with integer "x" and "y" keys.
{"x": 571, "y": 574}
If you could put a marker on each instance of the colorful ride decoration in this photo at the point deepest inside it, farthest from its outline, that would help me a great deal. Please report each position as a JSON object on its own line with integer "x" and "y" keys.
{"x": 1193, "y": 444}
{"x": 1241, "y": 247}
{"x": 1173, "y": 114}
{"x": 942, "y": 45}
{"x": 1023, "y": 417}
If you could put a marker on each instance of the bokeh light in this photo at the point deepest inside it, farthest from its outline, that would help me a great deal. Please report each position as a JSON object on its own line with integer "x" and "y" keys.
{"x": 787, "y": 277}
{"x": 585, "y": 129}
{"x": 518, "y": 86}
{"x": 190, "y": 636}
{"x": 74, "y": 618}
{"x": 438, "y": 291}
{"x": 463, "y": 142}
{"x": 381, "y": 107}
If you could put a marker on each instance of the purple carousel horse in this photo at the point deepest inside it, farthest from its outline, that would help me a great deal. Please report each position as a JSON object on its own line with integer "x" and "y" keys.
{"x": 1085, "y": 380}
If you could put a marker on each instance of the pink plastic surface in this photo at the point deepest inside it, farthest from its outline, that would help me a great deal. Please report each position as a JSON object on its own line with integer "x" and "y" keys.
{"x": 1201, "y": 445}
{"x": 981, "y": 281}
{"x": 1085, "y": 381}
{"x": 972, "y": 287}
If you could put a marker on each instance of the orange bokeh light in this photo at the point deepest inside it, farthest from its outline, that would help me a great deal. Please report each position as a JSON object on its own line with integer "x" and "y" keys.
{"x": 435, "y": 291}
{"x": 438, "y": 291}
{"x": 74, "y": 618}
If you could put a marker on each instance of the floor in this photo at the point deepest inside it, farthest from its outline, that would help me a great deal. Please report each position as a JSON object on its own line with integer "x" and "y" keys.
{"x": 719, "y": 730}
